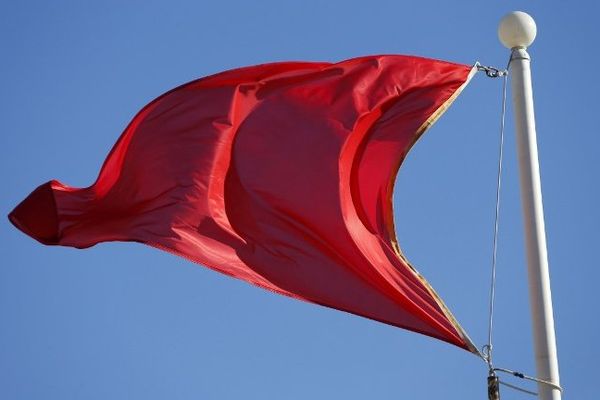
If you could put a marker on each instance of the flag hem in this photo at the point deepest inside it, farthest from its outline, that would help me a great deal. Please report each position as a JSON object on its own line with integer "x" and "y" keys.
{"x": 392, "y": 231}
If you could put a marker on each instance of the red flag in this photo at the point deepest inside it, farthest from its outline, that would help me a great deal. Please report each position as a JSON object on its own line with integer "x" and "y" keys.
{"x": 278, "y": 174}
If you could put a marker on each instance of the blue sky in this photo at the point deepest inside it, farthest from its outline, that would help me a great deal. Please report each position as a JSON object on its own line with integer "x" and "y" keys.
{"x": 124, "y": 321}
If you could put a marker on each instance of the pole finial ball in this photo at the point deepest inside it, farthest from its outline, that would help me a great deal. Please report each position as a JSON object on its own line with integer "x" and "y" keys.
{"x": 517, "y": 29}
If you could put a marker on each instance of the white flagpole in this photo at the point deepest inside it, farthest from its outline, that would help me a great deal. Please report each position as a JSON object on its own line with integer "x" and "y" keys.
{"x": 517, "y": 31}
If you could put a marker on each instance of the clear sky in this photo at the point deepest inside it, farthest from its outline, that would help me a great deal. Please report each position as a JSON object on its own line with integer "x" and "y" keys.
{"x": 125, "y": 321}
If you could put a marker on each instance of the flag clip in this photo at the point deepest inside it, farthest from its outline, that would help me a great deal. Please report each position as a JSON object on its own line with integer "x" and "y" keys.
{"x": 491, "y": 72}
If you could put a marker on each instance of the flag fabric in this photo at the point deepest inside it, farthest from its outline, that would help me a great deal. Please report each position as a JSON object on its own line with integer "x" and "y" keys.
{"x": 278, "y": 174}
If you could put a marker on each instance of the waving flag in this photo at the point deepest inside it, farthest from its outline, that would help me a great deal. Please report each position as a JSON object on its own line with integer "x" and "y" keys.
{"x": 279, "y": 174}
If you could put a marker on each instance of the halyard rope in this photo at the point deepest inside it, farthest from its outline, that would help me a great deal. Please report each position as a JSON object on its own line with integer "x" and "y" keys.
{"x": 495, "y": 73}
{"x": 496, "y": 221}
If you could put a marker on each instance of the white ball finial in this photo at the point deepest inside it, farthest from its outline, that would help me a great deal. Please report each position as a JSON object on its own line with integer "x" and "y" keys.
{"x": 517, "y": 29}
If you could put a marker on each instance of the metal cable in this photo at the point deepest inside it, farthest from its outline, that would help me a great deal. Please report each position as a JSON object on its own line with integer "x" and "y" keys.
{"x": 531, "y": 392}
{"x": 487, "y": 349}
{"x": 529, "y": 378}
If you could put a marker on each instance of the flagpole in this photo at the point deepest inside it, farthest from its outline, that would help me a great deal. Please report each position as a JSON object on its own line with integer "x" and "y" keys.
{"x": 517, "y": 31}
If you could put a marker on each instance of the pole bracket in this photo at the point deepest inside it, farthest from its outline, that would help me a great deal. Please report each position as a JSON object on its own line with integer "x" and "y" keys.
{"x": 493, "y": 387}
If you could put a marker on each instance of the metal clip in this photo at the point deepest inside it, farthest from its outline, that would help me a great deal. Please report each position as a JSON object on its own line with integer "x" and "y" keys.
{"x": 491, "y": 72}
